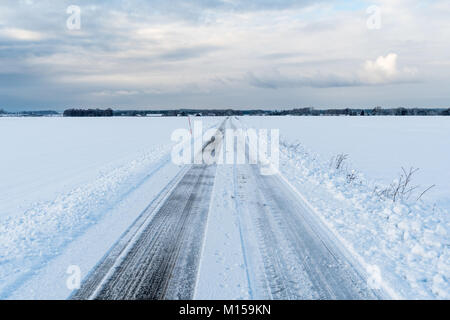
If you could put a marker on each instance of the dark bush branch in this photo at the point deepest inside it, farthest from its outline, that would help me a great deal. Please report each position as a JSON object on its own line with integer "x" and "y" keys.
{"x": 338, "y": 161}
{"x": 421, "y": 195}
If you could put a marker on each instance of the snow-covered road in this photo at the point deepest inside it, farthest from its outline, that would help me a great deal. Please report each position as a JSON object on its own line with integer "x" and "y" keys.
{"x": 160, "y": 260}
{"x": 206, "y": 232}
{"x": 273, "y": 246}
{"x": 158, "y": 257}
{"x": 294, "y": 256}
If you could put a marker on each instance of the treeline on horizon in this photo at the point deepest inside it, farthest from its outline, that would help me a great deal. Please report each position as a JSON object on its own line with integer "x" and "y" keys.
{"x": 231, "y": 112}
{"x": 88, "y": 113}
{"x": 40, "y": 113}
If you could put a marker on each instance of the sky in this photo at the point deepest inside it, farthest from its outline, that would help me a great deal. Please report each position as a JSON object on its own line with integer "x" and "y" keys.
{"x": 159, "y": 54}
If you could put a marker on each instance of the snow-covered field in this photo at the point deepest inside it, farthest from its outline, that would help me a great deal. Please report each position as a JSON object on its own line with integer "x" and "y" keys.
{"x": 405, "y": 245}
{"x": 49, "y": 156}
{"x": 377, "y": 146}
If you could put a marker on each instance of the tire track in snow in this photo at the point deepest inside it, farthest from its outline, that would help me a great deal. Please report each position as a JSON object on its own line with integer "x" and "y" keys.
{"x": 293, "y": 256}
{"x": 159, "y": 259}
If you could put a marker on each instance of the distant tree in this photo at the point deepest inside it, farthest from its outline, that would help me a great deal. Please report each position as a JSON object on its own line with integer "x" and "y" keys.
{"x": 376, "y": 111}
{"x": 108, "y": 112}
{"x": 88, "y": 113}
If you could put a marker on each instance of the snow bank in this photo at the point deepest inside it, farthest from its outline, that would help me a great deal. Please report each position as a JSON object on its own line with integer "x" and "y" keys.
{"x": 406, "y": 243}
{"x": 42, "y": 232}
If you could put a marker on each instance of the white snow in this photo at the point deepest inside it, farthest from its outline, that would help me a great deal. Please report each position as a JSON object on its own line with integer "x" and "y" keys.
{"x": 61, "y": 178}
{"x": 407, "y": 242}
{"x": 377, "y": 146}
{"x": 70, "y": 187}
{"x": 223, "y": 273}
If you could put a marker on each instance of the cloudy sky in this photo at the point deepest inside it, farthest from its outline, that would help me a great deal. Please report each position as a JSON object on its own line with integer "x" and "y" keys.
{"x": 224, "y": 53}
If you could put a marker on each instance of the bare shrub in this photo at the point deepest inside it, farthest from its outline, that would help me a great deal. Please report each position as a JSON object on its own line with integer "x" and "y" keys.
{"x": 402, "y": 188}
{"x": 338, "y": 161}
{"x": 351, "y": 177}
{"x": 421, "y": 195}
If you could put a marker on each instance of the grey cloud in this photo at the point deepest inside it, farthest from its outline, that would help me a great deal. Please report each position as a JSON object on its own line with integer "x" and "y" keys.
{"x": 279, "y": 81}
{"x": 187, "y": 53}
{"x": 283, "y": 55}
{"x": 35, "y": 73}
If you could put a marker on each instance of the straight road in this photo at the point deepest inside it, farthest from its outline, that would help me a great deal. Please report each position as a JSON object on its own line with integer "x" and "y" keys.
{"x": 158, "y": 257}
{"x": 289, "y": 254}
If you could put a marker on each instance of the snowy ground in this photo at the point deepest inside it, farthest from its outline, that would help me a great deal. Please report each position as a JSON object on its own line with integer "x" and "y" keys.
{"x": 67, "y": 181}
{"x": 405, "y": 245}
{"x": 70, "y": 187}
{"x": 377, "y": 146}
{"x": 223, "y": 273}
